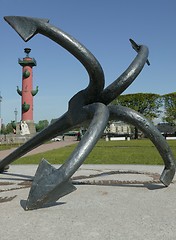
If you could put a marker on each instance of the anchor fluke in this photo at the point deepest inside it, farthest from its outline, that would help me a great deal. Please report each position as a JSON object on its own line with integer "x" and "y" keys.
{"x": 26, "y": 27}
{"x": 48, "y": 186}
{"x": 167, "y": 175}
{"x": 136, "y": 47}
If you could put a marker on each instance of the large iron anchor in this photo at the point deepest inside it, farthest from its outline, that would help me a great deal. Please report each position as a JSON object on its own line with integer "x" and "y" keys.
{"x": 49, "y": 183}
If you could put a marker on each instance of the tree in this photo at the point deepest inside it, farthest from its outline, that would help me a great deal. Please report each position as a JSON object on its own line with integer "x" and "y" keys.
{"x": 41, "y": 125}
{"x": 8, "y": 129}
{"x": 147, "y": 104}
{"x": 170, "y": 107}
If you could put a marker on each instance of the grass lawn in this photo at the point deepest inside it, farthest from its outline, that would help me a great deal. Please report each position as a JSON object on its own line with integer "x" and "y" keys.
{"x": 112, "y": 152}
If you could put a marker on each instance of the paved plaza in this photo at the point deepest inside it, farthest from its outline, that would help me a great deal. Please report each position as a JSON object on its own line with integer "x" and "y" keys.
{"x": 125, "y": 202}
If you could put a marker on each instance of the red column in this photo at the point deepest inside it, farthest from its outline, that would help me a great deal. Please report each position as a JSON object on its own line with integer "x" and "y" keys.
{"x": 27, "y": 98}
{"x": 27, "y": 93}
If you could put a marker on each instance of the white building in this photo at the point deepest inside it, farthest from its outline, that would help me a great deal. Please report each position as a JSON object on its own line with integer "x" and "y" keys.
{"x": 118, "y": 127}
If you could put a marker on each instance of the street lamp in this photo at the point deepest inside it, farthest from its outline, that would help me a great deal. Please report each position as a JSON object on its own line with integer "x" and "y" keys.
{"x": 0, "y": 104}
{"x": 16, "y": 112}
{"x": 0, "y": 113}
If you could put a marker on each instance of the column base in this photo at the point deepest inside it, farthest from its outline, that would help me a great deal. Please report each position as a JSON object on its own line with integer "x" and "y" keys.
{"x": 26, "y": 128}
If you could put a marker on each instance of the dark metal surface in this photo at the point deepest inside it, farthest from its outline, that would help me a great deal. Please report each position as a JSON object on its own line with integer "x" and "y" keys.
{"x": 49, "y": 183}
{"x": 138, "y": 120}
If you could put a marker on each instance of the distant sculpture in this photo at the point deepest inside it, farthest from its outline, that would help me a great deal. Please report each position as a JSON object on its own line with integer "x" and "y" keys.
{"x": 49, "y": 183}
{"x": 24, "y": 128}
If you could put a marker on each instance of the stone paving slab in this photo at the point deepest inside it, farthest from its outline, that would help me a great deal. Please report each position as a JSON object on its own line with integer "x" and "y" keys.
{"x": 111, "y": 202}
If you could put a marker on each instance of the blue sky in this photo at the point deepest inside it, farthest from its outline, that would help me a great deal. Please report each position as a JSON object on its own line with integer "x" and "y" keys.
{"x": 104, "y": 27}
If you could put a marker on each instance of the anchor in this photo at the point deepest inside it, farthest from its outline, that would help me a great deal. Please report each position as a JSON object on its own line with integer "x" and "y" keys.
{"x": 90, "y": 104}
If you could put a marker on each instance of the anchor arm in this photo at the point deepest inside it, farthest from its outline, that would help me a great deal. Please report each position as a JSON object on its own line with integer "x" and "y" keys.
{"x": 57, "y": 127}
{"x": 128, "y": 115}
{"x": 50, "y": 184}
{"x": 61, "y": 125}
{"x": 137, "y": 47}
{"x": 126, "y": 78}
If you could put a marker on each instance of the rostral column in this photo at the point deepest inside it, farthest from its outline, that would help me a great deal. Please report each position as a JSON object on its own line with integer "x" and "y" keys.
{"x": 27, "y": 93}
